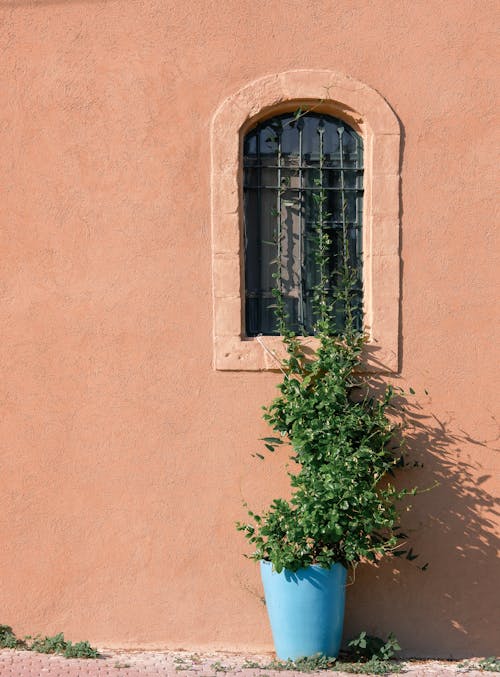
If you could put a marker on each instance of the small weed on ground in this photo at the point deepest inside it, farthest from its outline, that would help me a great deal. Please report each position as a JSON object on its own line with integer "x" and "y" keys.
{"x": 369, "y": 647}
{"x": 80, "y": 650}
{"x": 182, "y": 663}
{"x": 55, "y": 644}
{"x": 190, "y": 662}
{"x": 367, "y": 655}
{"x": 48, "y": 645}
{"x": 220, "y": 667}
{"x": 305, "y": 664}
{"x": 491, "y": 664}
{"x": 248, "y": 664}
{"x": 8, "y": 640}
{"x": 374, "y": 666}
{"x": 196, "y": 659}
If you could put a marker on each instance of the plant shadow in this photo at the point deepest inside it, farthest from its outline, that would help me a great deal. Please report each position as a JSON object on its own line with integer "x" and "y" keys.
{"x": 451, "y": 609}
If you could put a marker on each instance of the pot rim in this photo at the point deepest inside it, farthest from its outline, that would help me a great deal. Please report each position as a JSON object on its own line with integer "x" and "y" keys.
{"x": 309, "y": 566}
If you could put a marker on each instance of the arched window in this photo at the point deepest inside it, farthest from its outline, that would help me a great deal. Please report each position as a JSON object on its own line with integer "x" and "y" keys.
{"x": 246, "y": 186}
{"x": 289, "y": 161}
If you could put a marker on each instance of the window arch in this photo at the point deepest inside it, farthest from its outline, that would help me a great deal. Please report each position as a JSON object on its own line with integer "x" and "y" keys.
{"x": 287, "y": 160}
{"x": 370, "y": 116}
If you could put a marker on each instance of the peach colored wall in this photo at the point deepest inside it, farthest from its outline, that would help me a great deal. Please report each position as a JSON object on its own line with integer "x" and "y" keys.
{"x": 125, "y": 456}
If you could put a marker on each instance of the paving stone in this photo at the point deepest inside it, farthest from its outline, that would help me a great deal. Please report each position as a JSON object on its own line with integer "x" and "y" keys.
{"x": 181, "y": 664}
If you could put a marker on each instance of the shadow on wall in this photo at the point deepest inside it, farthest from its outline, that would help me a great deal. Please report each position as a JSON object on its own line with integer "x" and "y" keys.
{"x": 452, "y": 608}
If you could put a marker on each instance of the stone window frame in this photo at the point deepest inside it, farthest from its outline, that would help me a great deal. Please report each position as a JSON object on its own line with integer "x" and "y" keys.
{"x": 370, "y": 115}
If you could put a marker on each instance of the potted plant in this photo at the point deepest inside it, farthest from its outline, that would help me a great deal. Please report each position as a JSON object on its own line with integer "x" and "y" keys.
{"x": 345, "y": 446}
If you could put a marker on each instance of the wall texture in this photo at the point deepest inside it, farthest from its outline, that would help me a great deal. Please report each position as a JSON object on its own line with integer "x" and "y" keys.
{"x": 125, "y": 457}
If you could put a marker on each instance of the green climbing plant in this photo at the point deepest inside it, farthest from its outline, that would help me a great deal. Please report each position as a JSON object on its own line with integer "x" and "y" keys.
{"x": 340, "y": 425}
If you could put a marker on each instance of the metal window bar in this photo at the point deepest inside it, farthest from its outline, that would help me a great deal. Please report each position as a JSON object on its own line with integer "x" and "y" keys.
{"x": 279, "y": 215}
{"x": 259, "y": 227}
{"x": 300, "y": 314}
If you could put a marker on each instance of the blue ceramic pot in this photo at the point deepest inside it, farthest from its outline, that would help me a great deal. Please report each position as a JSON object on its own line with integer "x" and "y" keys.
{"x": 306, "y": 609}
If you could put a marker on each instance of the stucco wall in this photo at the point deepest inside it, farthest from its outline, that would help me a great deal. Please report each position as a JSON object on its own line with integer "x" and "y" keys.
{"x": 125, "y": 457}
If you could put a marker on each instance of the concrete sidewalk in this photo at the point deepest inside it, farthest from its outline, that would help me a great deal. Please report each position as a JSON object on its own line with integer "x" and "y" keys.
{"x": 181, "y": 664}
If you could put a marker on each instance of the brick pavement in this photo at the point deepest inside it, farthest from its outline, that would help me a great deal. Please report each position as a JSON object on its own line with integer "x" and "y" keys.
{"x": 180, "y": 664}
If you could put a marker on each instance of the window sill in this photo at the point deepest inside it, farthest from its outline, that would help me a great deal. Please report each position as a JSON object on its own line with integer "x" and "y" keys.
{"x": 264, "y": 353}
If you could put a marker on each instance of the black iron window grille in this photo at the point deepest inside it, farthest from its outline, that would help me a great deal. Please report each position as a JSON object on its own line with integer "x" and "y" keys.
{"x": 286, "y": 159}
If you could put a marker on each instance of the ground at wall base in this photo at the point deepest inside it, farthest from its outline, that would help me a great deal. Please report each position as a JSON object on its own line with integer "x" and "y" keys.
{"x": 188, "y": 664}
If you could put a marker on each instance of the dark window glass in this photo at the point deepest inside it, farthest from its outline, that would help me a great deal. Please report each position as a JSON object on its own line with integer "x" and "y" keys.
{"x": 286, "y": 159}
